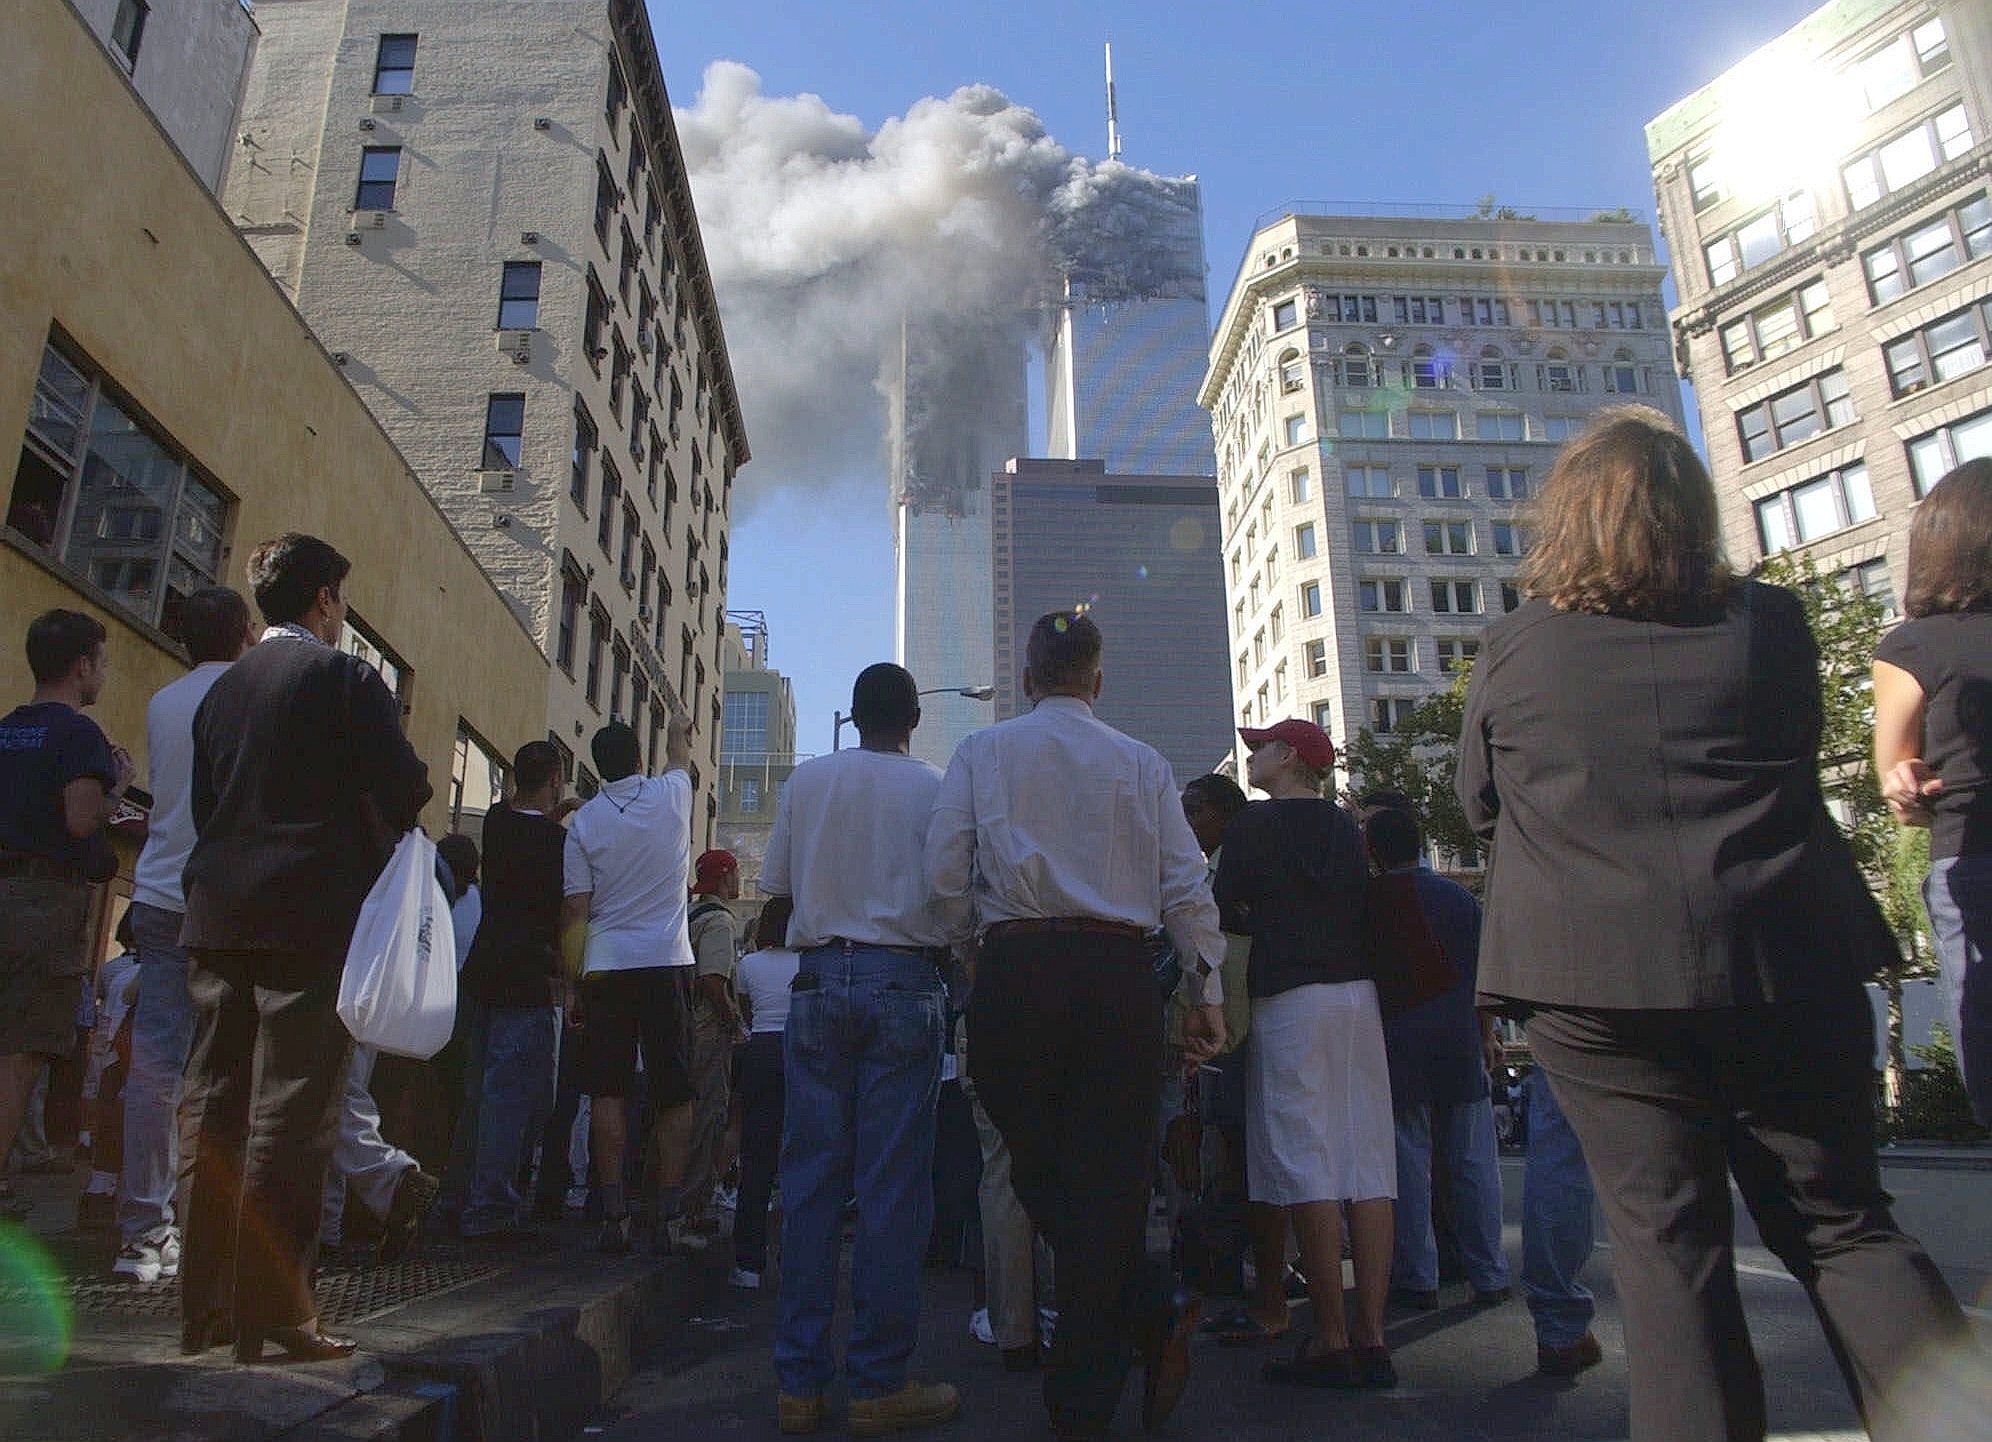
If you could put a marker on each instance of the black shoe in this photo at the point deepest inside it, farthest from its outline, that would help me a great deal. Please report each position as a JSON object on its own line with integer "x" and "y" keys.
{"x": 1415, "y": 1299}
{"x": 413, "y": 1196}
{"x": 299, "y": 1345}
{"x": 1494, "y": 1298}
{"x": 1569, "y": 1361}
{"x": 1341, "y": 1371}
{"x": 1165, "y": 1358}
{"x": 1376, "y": 1368}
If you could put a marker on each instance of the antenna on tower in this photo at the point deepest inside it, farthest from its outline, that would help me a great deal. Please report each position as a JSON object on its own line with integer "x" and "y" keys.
{"x": 1113, "y": 110}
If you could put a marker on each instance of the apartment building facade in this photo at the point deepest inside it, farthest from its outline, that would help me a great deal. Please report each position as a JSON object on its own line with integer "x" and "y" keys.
{"x": 757, "y": 751}
{"x": 1828, "y": 207}
{"x": 483, "y": 212}
{"x": 1386, "y": 393}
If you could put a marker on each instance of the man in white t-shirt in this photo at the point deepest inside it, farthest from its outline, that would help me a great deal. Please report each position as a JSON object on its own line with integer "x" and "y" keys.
{"x": 623, "y": 934}
{"x": 862, "y": 1061}
{"x": 215, "y": 627}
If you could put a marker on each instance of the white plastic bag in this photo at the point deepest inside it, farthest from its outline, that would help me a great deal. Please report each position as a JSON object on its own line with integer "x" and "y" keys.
{"x": 398, "y": 993}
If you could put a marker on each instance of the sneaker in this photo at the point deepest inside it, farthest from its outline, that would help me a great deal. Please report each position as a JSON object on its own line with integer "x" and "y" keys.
{"x": 745, "y": 1279}
{"x": 798, "y": 1414}
{"x": 979, "y": 1328}
{"x": 148, "y": 1259}
{"x": 414, "y": 1194}
{"x": 917, "y": 1404}
{"x": 1569, "y": 1361}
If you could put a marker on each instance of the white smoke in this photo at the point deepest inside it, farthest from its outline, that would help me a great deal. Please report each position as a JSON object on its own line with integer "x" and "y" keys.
{"x": 825, "y": 239}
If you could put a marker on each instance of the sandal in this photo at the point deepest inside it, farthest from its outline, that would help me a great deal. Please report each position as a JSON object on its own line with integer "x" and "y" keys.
{"x": 1341, "y": 1370}
{"x": 1238, "y": 1327}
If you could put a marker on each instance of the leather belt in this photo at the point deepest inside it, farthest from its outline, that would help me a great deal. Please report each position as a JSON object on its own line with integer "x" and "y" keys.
{"x": 938, "y": 955}
{"x": 1064, "y": 925}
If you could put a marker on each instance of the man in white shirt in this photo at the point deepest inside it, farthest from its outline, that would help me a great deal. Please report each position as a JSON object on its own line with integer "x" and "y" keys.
{"x": 862, "y": 1061}
{"x": 1071, "y": 842}
{"x": 628, "y": 868}
{"x": 216, "y": 629}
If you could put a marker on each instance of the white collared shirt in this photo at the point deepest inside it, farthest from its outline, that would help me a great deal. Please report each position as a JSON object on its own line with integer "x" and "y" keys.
{"x": 631, "y": 848}
{"x": 847, "y": 847}
{"x": 1056, "y": 814}
{"x": 169, "y": 749}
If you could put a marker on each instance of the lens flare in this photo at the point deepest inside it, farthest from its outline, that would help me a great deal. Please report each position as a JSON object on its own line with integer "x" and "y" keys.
{"x": 36, "y": 1322}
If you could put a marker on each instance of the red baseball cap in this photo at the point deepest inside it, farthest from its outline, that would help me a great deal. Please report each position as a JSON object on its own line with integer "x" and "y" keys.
{"x": 712, "y": 868}
{"x": 1310, "y": 743}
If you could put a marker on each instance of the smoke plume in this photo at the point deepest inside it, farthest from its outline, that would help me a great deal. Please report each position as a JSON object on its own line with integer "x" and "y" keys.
{"x": 828, "y": 241}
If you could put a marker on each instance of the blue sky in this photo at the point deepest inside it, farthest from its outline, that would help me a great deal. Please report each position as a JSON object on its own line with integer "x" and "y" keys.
{"x": 1540, "y": 103}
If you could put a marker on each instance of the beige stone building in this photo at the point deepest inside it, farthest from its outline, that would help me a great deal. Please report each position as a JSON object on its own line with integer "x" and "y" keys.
{"x": 170, "y": 409}
{"x": 1826, "y": 206}
{"x": 483, "y": 212}
{"x": 1385, "y": 393}
{"x": 757, "y": 752}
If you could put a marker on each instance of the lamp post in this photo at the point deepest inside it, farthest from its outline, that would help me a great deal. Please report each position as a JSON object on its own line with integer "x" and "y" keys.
{"x": 973, "y": 693}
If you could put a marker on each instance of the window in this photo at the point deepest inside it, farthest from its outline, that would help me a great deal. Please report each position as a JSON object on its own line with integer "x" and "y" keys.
{"x": 1300, "y": 486}
{"x": 626, "y": 570}
{"x": 646, "y": 572}
{"x": 1277, "y": 623}
{"x": 1785, "y": 224}
{"x": 504, "y": 425}
{"x": 1418, "y": 309}
{"x": 618, "y": 676}
{"x": 1363, "y": 425}
{"x": 1456, "y": 598}
{"x": 1795, "y": 415}
{"x": 1908, "y": 157}
{"x": 1265, "y": 710}
{"x": 605, "y": 199}
{"x": 360, "y": 641}
{"x": 594, "y": 320}
{"x": 1622, "y": 376}
{"x": 1286, "y": 315}
{"x": 605, "y": 525}
{"x": 1704, "y": 181}
{"x": 1934, "y": 248}
{"x": 598, "y": 640}
{"x": 1559, "y": 374}
{"x": 518, "y": 295}
{"x": 1561, "y": 428}
{"x": 1279, "y": 682}
{"x": 1934, "y": 455}
{"x": 1428, "y": 372}
{"x": 1511, "y": 596}
{"x": 1353, "y": 309}
{"x": 586, "y": 438}
{"x": 1391, "y": 656}
{"x": 1296, "y": 430}
{"x": 1456, "y": 651}
{"x": 626, "y": 265}
{"x": 1492, "y": 371}
{"x": 1316, "y": 655}
{"x": 1942, "y": 350}
{"x": 1510, "y": 539}
{"x": 1897, "y": 67}
{"x": 1448, "y": 538}
{"x": 1871, "y": 579}
{"x": 1238, "y": 618}
{"x": 1779, "y": 326}
{"x": 1310, "y": 599}
{"x": 1440, "y": 483}
{"x": 1244, "y": 669}
{"x": 394, "y": 65}
{"x": 1259, "y": 647}
{"x": 1324, "y": 713}
{"x": 1434, "y": 426}
{"x": 1500, "y": 426}
{"x": 99, "y": 489}
{"x": 1293, "y": 372}
{"x": 1304, "y": 542}
{"x": 618, "y": 95}
{"x": 619, "y": 368}
{"x": 1387, "y": 713}
{"x": 573, "y": 595}
{"x": 1382, "y": 597}
{"x": 1507, "y": 483}
{"x": 1252, "y": 593}
{"x": 1819, "y": 507}
{"x": 128, "y": 30}
{"x": 380, "y": 166}
{"x": 1378, "y": 538}
{"x": 1369, "y": 482}
{"x": 1358, "y": 372}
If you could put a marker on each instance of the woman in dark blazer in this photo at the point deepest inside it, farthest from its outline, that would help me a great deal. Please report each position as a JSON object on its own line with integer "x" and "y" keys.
{"x": 1673, "y": 910}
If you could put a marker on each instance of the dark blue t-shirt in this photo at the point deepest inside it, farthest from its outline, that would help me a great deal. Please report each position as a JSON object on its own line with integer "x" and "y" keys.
{"x": 1434, "y": 1048}
{"x": 43, "y": 747}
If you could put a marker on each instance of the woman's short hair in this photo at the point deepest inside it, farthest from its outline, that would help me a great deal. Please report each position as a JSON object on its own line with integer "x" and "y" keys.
{"x": 1950, "y": 544}
{"x": 1627, "y": 523}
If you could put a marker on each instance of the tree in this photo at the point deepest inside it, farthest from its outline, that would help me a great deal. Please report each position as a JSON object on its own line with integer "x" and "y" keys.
{"x": 1847, "y": 623}
{"x": 1418, "y": 757}
{"x": 1487, "y": 209}
{"x": 1618, "y": 215}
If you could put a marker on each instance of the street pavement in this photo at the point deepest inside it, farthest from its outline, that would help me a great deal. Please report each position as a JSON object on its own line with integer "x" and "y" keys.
{"x": 1466, "y": 1373}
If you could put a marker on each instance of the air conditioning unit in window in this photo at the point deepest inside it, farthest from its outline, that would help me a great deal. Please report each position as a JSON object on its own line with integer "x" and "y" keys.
{"x": 370, "y": 220}
{"x": 388, "y": 104}
{"x": 517, "y": 344}
{"x": 497, "y": 483}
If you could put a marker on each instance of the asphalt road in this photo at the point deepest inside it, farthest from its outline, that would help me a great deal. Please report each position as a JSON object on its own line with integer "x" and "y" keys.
{"x": 1466, "y": 1374}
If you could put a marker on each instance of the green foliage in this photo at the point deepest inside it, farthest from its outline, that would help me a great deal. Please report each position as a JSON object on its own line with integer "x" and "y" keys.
{"x": 1418, "y": 759}
{"x": 1936, "y": 1107}
{"x": 1487, "y": 209}
{"x": 1618, "y": 215}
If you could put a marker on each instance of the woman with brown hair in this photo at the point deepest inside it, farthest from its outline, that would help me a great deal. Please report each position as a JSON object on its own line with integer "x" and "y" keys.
{"x": 1683, "y": 926}
{"x": 1933, "y": 746}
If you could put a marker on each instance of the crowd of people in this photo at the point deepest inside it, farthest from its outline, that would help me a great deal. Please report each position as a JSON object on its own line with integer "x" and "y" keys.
{"x": 1274, "y": 1015}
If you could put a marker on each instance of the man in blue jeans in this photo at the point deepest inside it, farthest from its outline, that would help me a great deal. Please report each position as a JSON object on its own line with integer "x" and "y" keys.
{"x": 862, "y": 1060}
{"x": 1558, "y": 1205}
{"x": 215, "y": 626}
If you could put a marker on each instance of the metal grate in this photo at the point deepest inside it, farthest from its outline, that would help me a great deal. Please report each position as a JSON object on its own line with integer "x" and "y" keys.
{"x": 345, "y": 1294}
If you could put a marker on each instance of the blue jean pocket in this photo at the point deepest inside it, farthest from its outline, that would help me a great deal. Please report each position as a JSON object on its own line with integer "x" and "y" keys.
{"x": 912, "y": 1020}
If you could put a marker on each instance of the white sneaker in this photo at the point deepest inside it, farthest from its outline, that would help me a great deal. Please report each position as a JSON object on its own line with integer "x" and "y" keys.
{"x": 169, "y": 1254}
{"x": 725, "y": 1198}
{"x": 149, "y": 1258}
{"x": 745, "y": 1280}
{"x": 979, "y": 1328}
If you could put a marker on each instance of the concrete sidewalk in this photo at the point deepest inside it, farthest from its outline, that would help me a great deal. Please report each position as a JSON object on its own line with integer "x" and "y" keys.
{"x": 457, "y": 1345}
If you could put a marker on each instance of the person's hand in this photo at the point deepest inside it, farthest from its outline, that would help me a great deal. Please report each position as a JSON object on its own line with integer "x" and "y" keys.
{"x": 1203, "y": 1033}
{"x": 566, "y": 807}
{"x": 127, "y": 770}
{"x": 571, "y": 997}
{"x": 714, "y": 991}
{"x": 1909, "y": 789}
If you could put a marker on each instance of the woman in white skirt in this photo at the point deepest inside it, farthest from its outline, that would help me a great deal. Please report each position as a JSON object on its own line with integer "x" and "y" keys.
{"x": 1292, "y": 876}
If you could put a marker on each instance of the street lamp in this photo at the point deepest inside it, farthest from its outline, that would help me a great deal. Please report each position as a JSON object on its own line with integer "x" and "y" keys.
{"x": 973, "y": 693}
